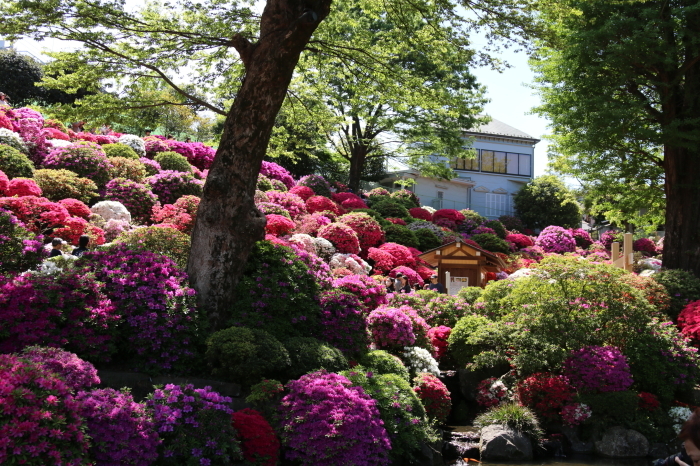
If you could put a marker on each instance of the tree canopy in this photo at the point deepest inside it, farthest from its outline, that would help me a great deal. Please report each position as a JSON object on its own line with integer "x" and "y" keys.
{"x": 547, "y": 201}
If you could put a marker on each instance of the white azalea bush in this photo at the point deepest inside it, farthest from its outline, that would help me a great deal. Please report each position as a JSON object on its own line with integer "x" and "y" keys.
{"x": 420, "y": 360}
{"x": 111, "y": 210}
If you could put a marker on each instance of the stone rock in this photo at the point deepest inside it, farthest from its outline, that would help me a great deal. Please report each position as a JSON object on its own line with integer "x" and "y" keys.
{"x": 461, "y": 445}
{"x": 500, "y": 443}
{"x": 577, "y": 445}
{"x": 111, "y": 210}
{"x": 618, "y": 442}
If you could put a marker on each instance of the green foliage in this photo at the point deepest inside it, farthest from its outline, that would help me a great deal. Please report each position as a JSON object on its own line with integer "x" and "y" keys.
{"x": 15, "y": 256}
{"x": 519, "y": 418}
{"x": 263, "y": 183}
{"x": 173, "y": 161}
{"x": 465, "y": 340}
{"x": 473, "y": 215}
{"x": 472, "y": 293}
{"x": 427, "y": 239}
{"x": 120, "y": 150}
{"x": 18, "y": 77}
{"x": 547, "y": 201}
{"x": 406, "y": 198}
{"x": 497, "y": 227}
{"x": 308, "y": 354}
{"x": 681, "y": 285}
{"x": 162, "y": 240}
{"x": 14, "y": 163}
{"x": 401, "y": 410}
{"x": 374, "y": 214}
{"x": 382, "y": 362}
{"x": 129, "y": 169}
{"x": 491, "y": 242}
{"x": 401, "y": 235}
{"x": 64, "y": 184}
{"x": 390, "y": 208}
{"x": 245, "y": 355}
{"x": 277, "y": 293}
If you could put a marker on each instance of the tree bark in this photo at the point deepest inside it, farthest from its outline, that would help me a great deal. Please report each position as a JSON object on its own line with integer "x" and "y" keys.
{"x": 357, "y": 164}
{"x": 228, "y": 223}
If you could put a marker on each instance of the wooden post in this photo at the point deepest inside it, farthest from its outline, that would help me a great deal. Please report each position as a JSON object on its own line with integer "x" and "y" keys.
{"x": 628, "y": 251}
{"x": 614, "y": 253}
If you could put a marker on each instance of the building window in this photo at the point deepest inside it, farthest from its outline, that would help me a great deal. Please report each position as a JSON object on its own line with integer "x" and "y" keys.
{"x": 496, "y": 162}
{"x": 459, "y": 163}
{"x": 497, "y": 205}
{"x": 437, "y": 201}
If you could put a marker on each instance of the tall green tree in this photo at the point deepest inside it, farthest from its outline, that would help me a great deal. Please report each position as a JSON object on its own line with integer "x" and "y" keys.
{"x": 546, "y": 201}
{"x": 621, "y": 83}
{"x": 240, "y": 63}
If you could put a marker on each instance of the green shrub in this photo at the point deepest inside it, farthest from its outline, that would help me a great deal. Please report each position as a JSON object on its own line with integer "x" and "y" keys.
{"x": 443, "y": 309}
{"x": 162, "y": 240}
{"x": 682, "y": 286}
{"x": 277, "y": 185}
{"x": 498, "y": 227}
{"x": 374, "y": 214}
{"x": 494, "y": 297}
{"x": 474, "y": 216}
{"x": 15, "y": 255}
{"x": 308, "y": 354}
{"x": 401, "y": 410}
{"x": 14, "y": 163}
{"x": 129, "y": 169}
{"x": 519, "y": 418}
{"x": 491, "y": 243}
{"x": 466, "y": 339}
{"x": 401, "y": 235}
{"x": 173, "y": 161}
{"x": 546, "y": 201}
{"x": 382, "y": 362}
{"x": 245, "y": 355}
{"x": 391, "y": 208}
{"x": 471, "y": 293}
{"x": 65, "y": 184}
{"x": 427, "y": 239}
{"x": 406, "y": 198}
{"x": 120, "y": 150}
{"x": 264, "y": 184}
{"x": 277, "y": 293}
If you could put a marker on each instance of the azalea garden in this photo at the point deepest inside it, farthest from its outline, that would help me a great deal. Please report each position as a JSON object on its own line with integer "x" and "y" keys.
{"x": 335, "y": 370}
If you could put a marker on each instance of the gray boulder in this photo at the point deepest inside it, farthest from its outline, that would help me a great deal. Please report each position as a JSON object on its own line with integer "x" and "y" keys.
{"x": 618, "y": 442}
{"x": 501, "y": 443}
{"x": 577, "y": 445}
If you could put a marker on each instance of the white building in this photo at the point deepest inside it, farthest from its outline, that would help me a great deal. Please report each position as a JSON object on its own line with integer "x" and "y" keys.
{"x": 504, "y": 162}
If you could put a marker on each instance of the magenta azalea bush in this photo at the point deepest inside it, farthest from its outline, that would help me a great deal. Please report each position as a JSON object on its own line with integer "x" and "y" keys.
{"x": 202, "y": 155}
{"x": 277, "y": 172}
{"x": 645, "y": 245}
{"x": 292, "y": 203}
{"x": 598, "y": 369}
{"x": 343, "y": 323}
{"x": 122, "y": 431}
{"x": 369, "y": 292}
{"x": 582, "y": 238}
{"x": 86, "y": 159}
{"x": 326, "y": 421}
{"x": 136, "y": 197}
{"x": 76, "y": 373}
{"x": 390, "y": 328}
{"x": 556, "y": 239}
{"x": 194, "y": 425}
{"x": 170, "y": 185}
{"x": 40, "y": 423}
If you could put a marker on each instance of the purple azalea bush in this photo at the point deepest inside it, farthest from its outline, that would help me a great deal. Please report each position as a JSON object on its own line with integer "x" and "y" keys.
{"x": 390, "y": 328}
{"x": 326, "y": 421}
{"x": 84, "y": 158}
{"x": 194, "y": 425}
{"x": 277, "y": 172}
{"x": 556, "y": 239}
{"x": 343, "y": 323}
{"x": 171, "y": 185}
{"x": 136, "y": 197}
{"x": 202, "y": 155}
{"x": 597, "y": 369}
{"x": 76, "y": 373}
{"x": 370, "y": 293}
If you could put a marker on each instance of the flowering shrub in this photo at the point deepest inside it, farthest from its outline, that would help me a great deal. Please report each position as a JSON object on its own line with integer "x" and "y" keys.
{"x": 38, "y": 214}
{"x": 682, "y": 286}
{"x": 278, "y": 225}
{"x": 419, "y": 360}
{"x": 182, "y": 214}
{"x": 32, "y": 132}
{"x": 582, "y": 238}
{"x": 76, "y": 208}
{"x": 19, "y": 250}
{"x": 406, "y": 197}
{"x": 342, "y": 236}
{"x": 86, "y": 159}
{"x": 69, "y": 310}
{"x": 111, "y": 210}
{"x": 511, "y": 223}
{"x": 412, "y": 277}
{"x": 434, "y": 395}
{"x": 419, "y": 213}
{"x": 645, "y": 245}
{"x": 14, "y": 163}
{"x": 40, "y": 421}
{"x": 370, "y": 293}
{"x": 689, "y": 321}
{"x": 75, "y": 227}
{"x": 61, "y": 184}
{"x": 491, "y": 243}
{"x": 317, "y": 183}
{"x": 390, "y": 328}
{"x": 438, "y": 338}
{"x": 113, "y": 228}
{"x": 170, "y": 185}
{"x": 545, "y": 393}
{"x": 155, "y": 304}
{"x": 52, "y": 133}
{"x": 4, "y": 183}
{"x": 76, "y": 373}
{"x": 648, "y": 401}
{"x": 151, "y": 166}
{"x": 258, "y": 440}
{"x": 491, "y": 392}
{"x": 311, "y": 427}
{"x": 202, "y": 155}
{"x": 136, "y": 197}
{"x": 401, "y": 254}
{"x": 130, "y": 169}
{"x": 120, "y": 150}
{"x": 122, "y": 431}
{"x": 449, "y": 214}
{"x": 268, "y": 208}
{"x": 378, "y": 192}
{"x": 678, "y": 415}
{"x": 342, "y": 322}
{"x": 556, "y": 239}
{"x": 303, "y": 192}
{"x": 368, "y": 230}
{"x": 135, "y": 142}
{"x": 23, "y": 187}
{"x": 320, "y": 204}
{"x": 352, "y": 262}
{"x": 164, "y": 240}
{"x": 575, "y": 413}
{"x": 598, "y": 369}
{"x": 277, "y": 172}
{"x": 290, "y": 202}
{"x": 520, "y": 241}
{"x": 194, "y": 425}
{"x": 420, "y": 328}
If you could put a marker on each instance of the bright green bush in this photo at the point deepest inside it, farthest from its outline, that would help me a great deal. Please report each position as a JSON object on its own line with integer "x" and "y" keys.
{"x": 519, "y": 418}
{"x": 467, "y": 337}
{"x": 382, "y": 362}
{"x": 245, "y": 355}
{"x": 162, "y": 240}
{"x": 546, "y": 201}
{"x": 498, "y": 227}
{"x": 64, "y": 184}
{"x": 308, "y": 354}
{"x": 401, "y": 235}
{"x": 474, "y": 216}
{"x": 682, "y": 286}
{"x": 120, "y": 150}
{"x": 491, "y": 243}
{"x": 427, "y": 239}
{"x": 14, "y": 163}
{"x": 264, "y": 184}
{"x": 406, "y": 198}
{"x": 471, "y": 293}
{"x": 129, "y": 169}
{"x": 391, "y": 208}
{"x": 173, "y": 161}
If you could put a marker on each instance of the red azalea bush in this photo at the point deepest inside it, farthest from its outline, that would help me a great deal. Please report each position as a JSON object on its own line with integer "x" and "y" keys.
{"x": 545, "y": 393}
{"x": 519, "y": 240}
{"x": 383, "y": 261}
{"x": 23, "y": 187}
{"x": 368, "y": 291}
{"x": 447, "y": 223}
{"x": 689, "y": 321}
{"x": 278, "y": 225}
{"x": 648, "y": 401}
{"x": 66, "y": 310}
{"x": 317, "y": 183}
{"x": 434, "y": 395}
{"x": 76, "y": 208}
{"x": 78, "y": 374}
{"x": 136, "y": 197}
{"x": 369, "y": 232}
{"x": 181, "y": 214}
{"x": 438, "y": 338}
{"x": 353, "y": 203}
{"x": 290, "y": 202}
{"x": 449, "y": 214}
{"x": 320, "y": 204}
{"x": 342, "y": 236}
{"x": 303, "y": 192}
{"x": 4, "y": 183}
{"x": 340, "y": 197}
{"x": 75, "y": 227}
{"x": 53, "y": 133}
{"x": 645, "y": 245}
{"x": 401, "y": 254}
{"x": 343, "y": 323}
{"x": 258, "y": 440}
{"x": 490, "y": 392}
{"x": 85, "y": 136}
{"x": 420, "y": 213}
{"x": 597, "y": 369}
{"x": 37, "y": 213}
{"x": 40, "y": 422}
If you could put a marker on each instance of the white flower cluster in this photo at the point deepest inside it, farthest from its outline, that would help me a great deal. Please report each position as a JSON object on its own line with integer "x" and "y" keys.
{"x": 650, "y": 264}
{"x": 305, "y": 241}
{"x": 582, "y": 412}
{"x": 678, "y": 415}
{"x": 358, "y": 267}
{"x": 12, "y": 139}
{"x": 56, "y": 143}
{"x": 324, "y": 248}
{"x": 111, "y": 210}
{"x": 420, "y": 360}
{"x": 428, "y": 208}
{"x": 134, "y": 142}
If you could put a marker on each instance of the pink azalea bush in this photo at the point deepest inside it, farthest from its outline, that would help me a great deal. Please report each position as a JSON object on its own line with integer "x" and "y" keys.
{"x": 277, "y": 172}
{"x": 171, "y": 185}
{"x": 290, "y": 202}
{"x": 38, "y": 214}
{"x": 438, "y": 338}
{"x": 401, "y": 254}
{"x": 76, "y": 208}
{"x": 182, "y": 213}
{"x": 317, "y": 183}
{"x": 77, "y": 373}
{"x": 342, "y": 236}
{"x": 4, "y": 183}
{"x": 369, "y": 232}
{"x": 86, "y": 159}
{"x": 202, "y": 155}
{"x": 343, "y": 323}
{"x": 556, "y": 239}
{"x": 390, "y": 328}
{"x": 23, "y": 187}
{"x": 449, "y": 214}
{"x": 645, "y": 245}
{"x": 370, "y": 293}
{"x": 598, "y": 369}
{"x": 411, "y": 275}
{"x": 321, "y": 204}
{"x": 138, "y": 198}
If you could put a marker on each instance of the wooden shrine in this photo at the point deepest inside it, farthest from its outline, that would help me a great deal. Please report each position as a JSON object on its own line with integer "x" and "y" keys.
{"x": 460, "y": 265}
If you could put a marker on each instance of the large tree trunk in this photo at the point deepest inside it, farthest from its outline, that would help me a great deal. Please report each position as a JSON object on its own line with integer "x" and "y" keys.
{"x": 357, "y": 164}
{"x": 228, "y": 223}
